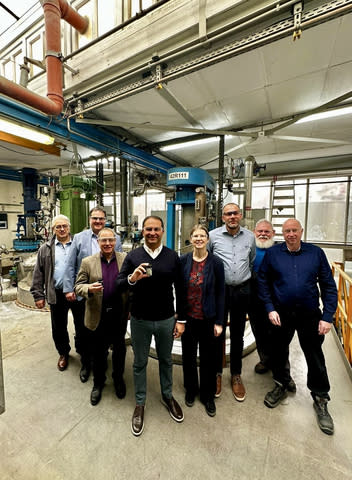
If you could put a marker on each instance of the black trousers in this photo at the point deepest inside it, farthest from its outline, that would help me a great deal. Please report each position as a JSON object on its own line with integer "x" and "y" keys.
{"x": 111, "y": 331}
{"x": 260, "y": 324}
{"x": 59, "y": 321}
{"x": 199, "y": 332}
{"x": 236, "y": 302}
{"x": 306, "y": 325}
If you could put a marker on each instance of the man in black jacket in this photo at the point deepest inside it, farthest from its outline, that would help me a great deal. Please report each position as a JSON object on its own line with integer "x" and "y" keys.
{"x": 150, "y": 272}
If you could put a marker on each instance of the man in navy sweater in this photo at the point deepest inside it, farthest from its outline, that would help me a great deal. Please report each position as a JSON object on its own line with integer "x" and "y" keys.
{"x": 150, "y": 272}
{"x": 288, "y": 285}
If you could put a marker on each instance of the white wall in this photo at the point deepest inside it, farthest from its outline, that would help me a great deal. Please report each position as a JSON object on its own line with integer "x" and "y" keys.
{"x": 11, "y": 202}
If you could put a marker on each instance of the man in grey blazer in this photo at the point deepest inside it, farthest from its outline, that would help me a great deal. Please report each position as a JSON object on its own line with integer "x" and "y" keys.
{"x": 85, "y": 244}
{"x": 106, "y": 312}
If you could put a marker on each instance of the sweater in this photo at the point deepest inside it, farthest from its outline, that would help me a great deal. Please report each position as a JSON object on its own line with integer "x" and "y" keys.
{"x": 152, "y": 298}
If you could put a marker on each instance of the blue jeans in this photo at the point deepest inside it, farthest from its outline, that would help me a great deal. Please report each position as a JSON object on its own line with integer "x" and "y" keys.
{"x": 141, "y": 335}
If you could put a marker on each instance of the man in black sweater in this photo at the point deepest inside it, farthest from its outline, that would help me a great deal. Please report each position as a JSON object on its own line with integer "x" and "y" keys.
{"x": 151, "y": 272}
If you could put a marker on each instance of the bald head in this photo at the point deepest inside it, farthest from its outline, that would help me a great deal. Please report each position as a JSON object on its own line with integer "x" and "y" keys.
{"x": 292, "y": 231}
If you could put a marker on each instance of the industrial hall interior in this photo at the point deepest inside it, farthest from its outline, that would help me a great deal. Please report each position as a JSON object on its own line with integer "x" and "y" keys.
{"x": 176, "y": 239}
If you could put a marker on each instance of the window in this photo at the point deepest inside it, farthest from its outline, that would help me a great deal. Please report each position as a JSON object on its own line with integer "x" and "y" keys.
{"x": 36, "y": 52}
{"x": 86, "y": 10}
{"x": 349, "y": 219}
{"x": 327, "y": 210}
{"x": 107, "y": 15}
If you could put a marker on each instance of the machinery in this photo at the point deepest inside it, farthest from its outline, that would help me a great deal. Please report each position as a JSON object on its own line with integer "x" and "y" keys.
{"x": 194, "y": 203}
{"x": 31, "y": 222}
{"x": 75, "y": 193}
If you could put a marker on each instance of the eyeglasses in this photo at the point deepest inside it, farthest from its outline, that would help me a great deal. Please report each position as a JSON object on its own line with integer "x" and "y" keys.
{"x": 61, "y": 227}
{"x": 152, "y": 229}
{"x": 229, "y": 214}
{"x": 97, "y": 219}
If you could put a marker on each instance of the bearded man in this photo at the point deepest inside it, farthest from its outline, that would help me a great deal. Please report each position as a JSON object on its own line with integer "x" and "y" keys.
{"x": 264, "y": 239}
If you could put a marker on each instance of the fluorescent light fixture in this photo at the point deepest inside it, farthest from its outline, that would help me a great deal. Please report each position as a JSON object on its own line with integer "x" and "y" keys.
{"x": 25, "y": 132}
{"x": 337, "y": 112}
{"x": 91, "y": 165}
{"x": 193, "y": 143}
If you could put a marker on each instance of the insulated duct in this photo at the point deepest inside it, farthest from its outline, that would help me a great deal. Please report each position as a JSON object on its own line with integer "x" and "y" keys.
{"x": 54, "y": 10}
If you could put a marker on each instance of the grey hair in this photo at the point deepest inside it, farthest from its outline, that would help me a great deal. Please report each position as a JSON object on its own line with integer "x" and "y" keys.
{"x": 59, "y": 218}
{"x": 264, "y": 220}
{"x": 105, "y": 229}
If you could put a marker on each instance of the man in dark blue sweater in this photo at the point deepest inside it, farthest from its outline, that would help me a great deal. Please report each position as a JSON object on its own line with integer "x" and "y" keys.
{"x": 288, "y": 285}
{"x": 150, "y": 272}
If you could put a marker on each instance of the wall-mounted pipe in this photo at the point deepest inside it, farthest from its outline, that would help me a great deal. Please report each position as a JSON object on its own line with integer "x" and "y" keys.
{"x": 54, "y": 10}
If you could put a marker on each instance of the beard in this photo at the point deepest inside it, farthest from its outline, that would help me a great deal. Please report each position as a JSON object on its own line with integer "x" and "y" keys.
{"x": 260, "y": 243}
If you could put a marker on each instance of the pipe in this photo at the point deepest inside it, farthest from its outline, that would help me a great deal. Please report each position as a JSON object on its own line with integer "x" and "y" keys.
{"x": 248, "y": 181}
{"x": 54, "y": 10}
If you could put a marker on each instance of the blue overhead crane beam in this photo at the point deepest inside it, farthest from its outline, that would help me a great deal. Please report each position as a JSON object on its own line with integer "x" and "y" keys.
{"x": 86, "y": 135}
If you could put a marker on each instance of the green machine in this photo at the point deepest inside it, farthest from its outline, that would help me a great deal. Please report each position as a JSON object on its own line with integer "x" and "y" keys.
{"x": 75, "y": 193}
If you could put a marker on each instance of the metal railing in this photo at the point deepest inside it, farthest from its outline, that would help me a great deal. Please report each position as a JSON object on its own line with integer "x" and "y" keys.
{"x": 343, "y": 318}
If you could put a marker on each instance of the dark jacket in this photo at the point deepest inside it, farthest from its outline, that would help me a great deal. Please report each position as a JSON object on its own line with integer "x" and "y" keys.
{"x": 213, "y": 287}
{"x": 43, "y": 275}
{"x": 289, "y": 281}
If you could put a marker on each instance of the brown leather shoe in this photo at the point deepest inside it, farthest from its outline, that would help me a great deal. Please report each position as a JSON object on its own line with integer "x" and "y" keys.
{"x": 238, "y": 390}
{"x": 218, "y": 385}
{"x": 62, "y": 362}
{"x": 137, "y": 424}
{"x": 174, "y": 408}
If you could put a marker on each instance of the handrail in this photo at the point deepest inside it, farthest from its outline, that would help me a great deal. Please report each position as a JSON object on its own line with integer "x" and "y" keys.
{"x": 343, "y": 317}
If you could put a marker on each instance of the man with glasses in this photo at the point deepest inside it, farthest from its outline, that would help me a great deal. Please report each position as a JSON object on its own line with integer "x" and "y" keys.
{"x": 48, "y": 283}
{"x": 235, "y": 245}
{"x": 85, "y": 244}
{"x": 150, "y": 272}
{"x": 105, "y": 313}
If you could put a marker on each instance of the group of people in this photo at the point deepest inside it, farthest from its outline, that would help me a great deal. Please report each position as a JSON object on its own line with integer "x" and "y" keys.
{"x": 230, "y": 273}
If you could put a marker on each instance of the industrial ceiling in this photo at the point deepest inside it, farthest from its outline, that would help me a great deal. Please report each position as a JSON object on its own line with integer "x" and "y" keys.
{"x": 247, "y": 87}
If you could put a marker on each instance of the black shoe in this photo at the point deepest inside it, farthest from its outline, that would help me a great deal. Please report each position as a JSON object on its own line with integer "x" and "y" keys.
{"x": 95, "y": 396}
{"x": 325, "y": 421}
{"x": 174, "y": 409}
{"x": 210, "y": 408}
{"x": 273, "y": 398}
{"x": 84, "y": 373}
{"x": 120, "y": 388}
{"x": 189, "y": 399}
{"x": 137, "y": 424}
{"x": 261, "y": 368}
{"x": 291, "y": 387}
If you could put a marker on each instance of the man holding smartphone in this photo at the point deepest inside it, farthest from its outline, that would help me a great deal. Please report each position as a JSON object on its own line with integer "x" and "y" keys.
{"x": 150, "y": 272}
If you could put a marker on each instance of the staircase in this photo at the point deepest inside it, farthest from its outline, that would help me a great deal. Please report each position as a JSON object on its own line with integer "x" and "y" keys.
{"x": 282, "y": 206}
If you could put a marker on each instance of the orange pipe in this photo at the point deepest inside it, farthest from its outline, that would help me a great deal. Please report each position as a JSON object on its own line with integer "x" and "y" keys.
{"x": 54, "y": 10}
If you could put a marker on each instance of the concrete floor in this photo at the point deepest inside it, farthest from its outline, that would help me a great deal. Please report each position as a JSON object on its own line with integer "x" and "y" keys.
{"x": 49, "y": 430}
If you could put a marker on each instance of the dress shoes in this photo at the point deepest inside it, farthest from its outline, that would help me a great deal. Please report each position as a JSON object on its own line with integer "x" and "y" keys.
{"x": 84, "y": 373}
{"x": 210, "y": 407}
{"x": 62, "y": 363}
{"x": 238, "y": 390}
{"x": 120, "y": 387}
{"x": 137, "y": 424}
{"x": 189, "y": 399}
{"x": 95, "y": 395}
{"x": 174, "y": 409}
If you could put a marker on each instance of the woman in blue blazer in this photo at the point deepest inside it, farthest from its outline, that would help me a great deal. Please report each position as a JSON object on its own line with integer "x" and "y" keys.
{"x": 205, "y": 283}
